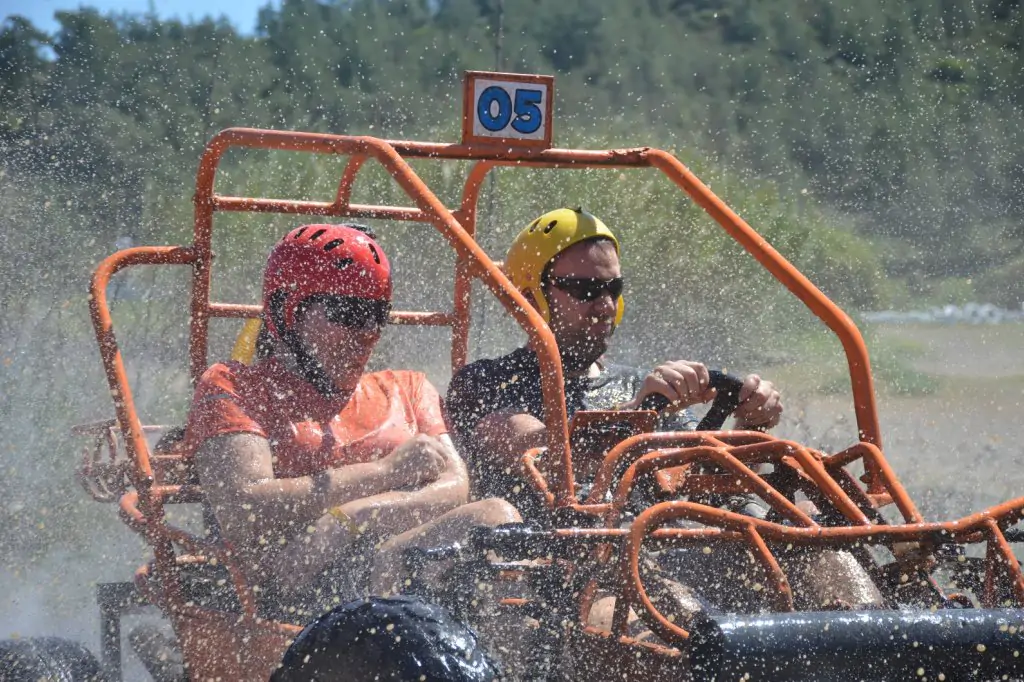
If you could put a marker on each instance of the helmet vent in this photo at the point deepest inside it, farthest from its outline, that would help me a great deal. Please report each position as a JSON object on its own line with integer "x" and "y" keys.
{"x": 333, "y": 244}
{"x": 343, "y": 263}
{"x": 316, "y": 235}
{"x": 550, "y": 226}
{"x": 365, "y": 229}
{"x": 376, "y": 256}
{"x": 300, "y": 231}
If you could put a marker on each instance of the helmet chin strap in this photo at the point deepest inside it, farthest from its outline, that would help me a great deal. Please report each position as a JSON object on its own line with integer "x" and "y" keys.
{"x": 310, "y": 367}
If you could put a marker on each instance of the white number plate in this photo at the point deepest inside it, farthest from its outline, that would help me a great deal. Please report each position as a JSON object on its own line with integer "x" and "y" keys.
{"x": 507, "y": 108}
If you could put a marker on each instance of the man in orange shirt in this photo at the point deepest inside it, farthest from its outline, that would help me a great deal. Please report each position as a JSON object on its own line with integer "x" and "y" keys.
{"x": 320, "y": 476}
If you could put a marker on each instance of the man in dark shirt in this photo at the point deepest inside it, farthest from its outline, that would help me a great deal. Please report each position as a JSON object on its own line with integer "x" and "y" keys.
{"x": 566, "y": 263}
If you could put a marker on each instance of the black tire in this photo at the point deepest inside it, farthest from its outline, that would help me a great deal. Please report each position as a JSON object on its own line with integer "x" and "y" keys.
{"x": 47, "y": 658}
{"x": 386, "y": 638}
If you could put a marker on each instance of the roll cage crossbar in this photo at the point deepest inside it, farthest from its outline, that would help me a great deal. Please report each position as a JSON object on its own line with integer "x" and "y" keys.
{"x": 458, "y": 227}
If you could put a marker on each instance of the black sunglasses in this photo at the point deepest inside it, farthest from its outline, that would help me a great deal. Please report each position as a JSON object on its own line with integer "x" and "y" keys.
{"x": 356, "y": 313}
{"x": 588, "y": 288}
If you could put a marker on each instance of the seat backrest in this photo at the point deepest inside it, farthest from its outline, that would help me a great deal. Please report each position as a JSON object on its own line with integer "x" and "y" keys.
{"x": 170, "y": 465}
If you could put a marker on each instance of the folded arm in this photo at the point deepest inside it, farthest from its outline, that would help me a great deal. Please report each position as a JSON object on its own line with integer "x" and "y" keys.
{"x": 396, "y": 511}
{"x": 237, "y": 475}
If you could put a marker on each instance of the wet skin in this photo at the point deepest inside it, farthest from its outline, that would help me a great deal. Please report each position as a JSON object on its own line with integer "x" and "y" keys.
{"x": 343, "y": 351}
{"x": 583, "y": 329}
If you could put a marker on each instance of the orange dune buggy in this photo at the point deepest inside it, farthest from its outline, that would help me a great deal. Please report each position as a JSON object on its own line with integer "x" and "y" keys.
{"x": 769, "y": 628}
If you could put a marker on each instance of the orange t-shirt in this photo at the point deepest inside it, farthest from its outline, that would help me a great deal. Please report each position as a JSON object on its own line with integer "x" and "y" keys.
{"x": 307, "y": 432}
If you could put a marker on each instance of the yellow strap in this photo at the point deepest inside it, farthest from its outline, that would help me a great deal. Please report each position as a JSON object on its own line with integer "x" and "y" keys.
{"x": 344, "y": 519}
{"x": 245, "y": 345}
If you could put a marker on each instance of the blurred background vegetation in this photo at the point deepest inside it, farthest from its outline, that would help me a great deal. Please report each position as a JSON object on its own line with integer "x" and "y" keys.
{"x": 876, "y": 144}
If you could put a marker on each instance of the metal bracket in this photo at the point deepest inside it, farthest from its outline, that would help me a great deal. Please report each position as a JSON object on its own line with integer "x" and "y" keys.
{"x": 115, "y": 600}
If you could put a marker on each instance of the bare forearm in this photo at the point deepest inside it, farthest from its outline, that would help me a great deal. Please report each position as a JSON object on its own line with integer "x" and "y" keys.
{"x": 268, "y": 507}
{"x": 505, "y": 437}
{"x": 395, "y": 512}
{"x": 310, "y": 495}
{"x": 255, "y": 508}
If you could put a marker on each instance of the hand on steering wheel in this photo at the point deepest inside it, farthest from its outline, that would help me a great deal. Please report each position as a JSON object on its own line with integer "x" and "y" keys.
{"x": 760, "y": 404}
{"x": 681, "y": 382}
{"x": 755, "y": 402}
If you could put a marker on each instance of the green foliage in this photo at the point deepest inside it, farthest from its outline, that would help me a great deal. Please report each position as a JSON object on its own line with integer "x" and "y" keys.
{"x": 954, "y": 290}
{"x": 949, "y": 71}
{"x": 1005, "y": 285}
{"x": 903, "y": 115}
{"x": 895, "y": 374}
{"x": 892, "y": 366}
{"x": 876, "y": 145}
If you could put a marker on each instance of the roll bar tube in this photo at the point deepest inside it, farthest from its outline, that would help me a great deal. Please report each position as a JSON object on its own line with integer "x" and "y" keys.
{"x": 458, "y": 228}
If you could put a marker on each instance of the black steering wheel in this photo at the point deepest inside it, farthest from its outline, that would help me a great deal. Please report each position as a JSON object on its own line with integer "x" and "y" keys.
{"x": 727, "y": 400}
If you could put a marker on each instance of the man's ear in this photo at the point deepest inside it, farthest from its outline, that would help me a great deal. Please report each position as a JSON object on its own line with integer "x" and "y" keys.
{"x": 528, "y": 295}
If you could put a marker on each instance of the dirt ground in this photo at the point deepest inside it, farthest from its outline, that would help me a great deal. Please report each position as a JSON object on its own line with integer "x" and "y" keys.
{"x": 961, "y": 448}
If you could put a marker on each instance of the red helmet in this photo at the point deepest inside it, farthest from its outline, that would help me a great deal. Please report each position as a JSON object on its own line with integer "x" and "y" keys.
{"x": 336, "y": 260}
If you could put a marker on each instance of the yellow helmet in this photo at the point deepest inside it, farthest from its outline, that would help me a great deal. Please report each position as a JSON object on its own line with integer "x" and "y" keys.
{"x": 543, "y": 239}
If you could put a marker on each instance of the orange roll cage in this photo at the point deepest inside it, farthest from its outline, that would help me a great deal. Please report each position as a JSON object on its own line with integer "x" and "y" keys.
{"x": 458, "y": 227}
{"x": 685, "y": 465}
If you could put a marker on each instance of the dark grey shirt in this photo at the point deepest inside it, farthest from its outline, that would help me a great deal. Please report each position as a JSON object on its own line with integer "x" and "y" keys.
{"x": 513, "y": 382}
